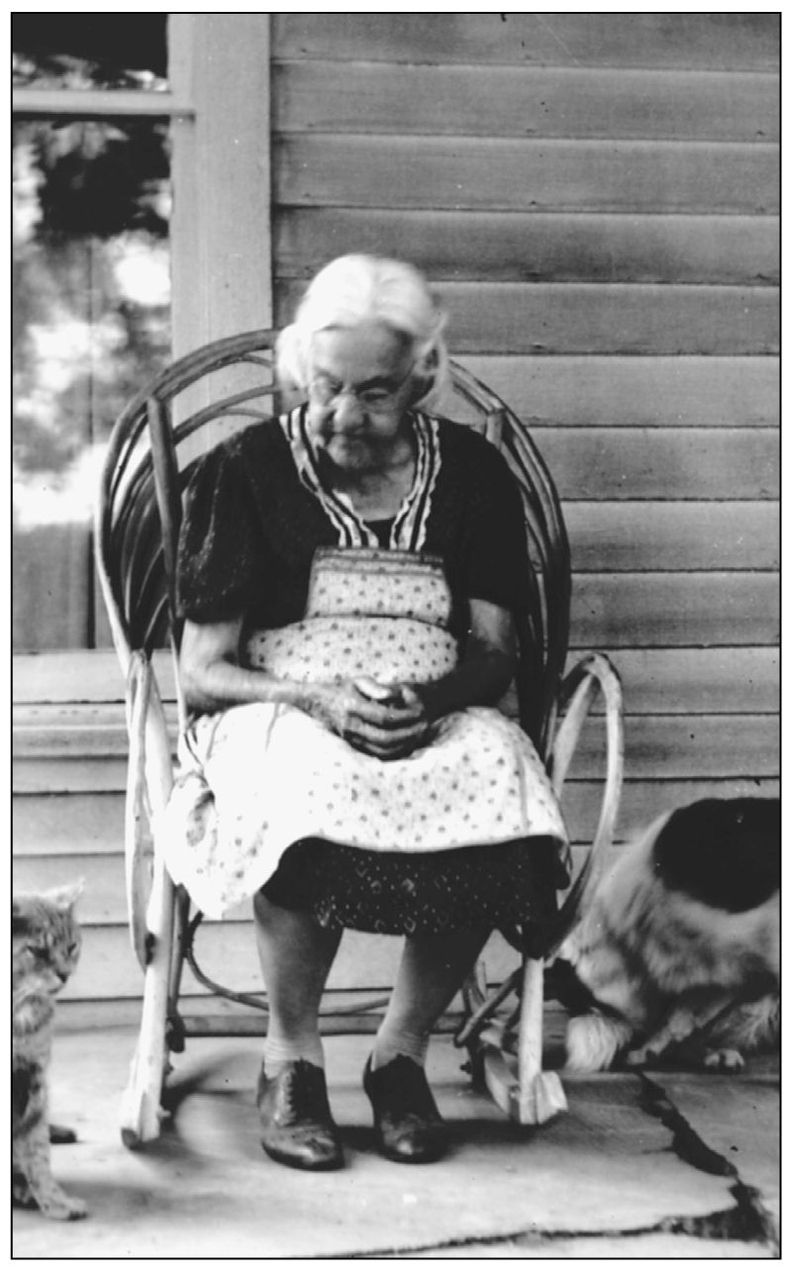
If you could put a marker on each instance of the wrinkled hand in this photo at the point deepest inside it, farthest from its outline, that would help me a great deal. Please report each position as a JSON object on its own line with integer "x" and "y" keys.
{"x": 386, "y": 720}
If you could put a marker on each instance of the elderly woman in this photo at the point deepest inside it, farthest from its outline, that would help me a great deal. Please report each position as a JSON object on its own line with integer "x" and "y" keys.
{"x": 350, "y": 575}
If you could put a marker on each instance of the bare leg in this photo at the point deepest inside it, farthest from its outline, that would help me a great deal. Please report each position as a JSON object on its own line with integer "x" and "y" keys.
{"x": 296, "y": 954}
{"x": 431, "y": 972}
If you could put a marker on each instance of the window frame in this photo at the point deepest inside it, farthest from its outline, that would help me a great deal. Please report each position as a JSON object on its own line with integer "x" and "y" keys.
{"x": 218, "y": 108}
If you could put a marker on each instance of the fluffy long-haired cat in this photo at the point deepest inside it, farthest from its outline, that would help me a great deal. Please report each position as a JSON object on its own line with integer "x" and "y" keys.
{"x": 46, "y": 944}
{"x": 676, "y": 952}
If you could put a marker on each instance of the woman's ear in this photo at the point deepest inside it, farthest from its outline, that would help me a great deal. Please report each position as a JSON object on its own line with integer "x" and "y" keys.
{"x": 424, "y": 377}
{"x": 422, "y": 385}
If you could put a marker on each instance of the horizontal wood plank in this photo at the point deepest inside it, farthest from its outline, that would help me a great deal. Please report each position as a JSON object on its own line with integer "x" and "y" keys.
{"x": 525, "y": 101}
{"x": 204, "y": 1011}
{"x": 666, "y": 747}
{"x": 689, "y": 680}
{"x": 535, "y": 247}
{"x": 81, "y": 731}
{"x": 78, "y": 677}
{"x": 633, "y": 536}
{"x": 698, "y": 680}
{"x": 227, "y": 953}
{"x": 51, "y": 570}
{"x": 65, "y": 828}
{"x": 633, "y": 319}
{"x": 696, "y": 41}
{"x": 610, "y": 390}
{"x": 59, "y": 732}
{"x": 531, "y": 176}
{"x": 70, "y": 775}
{"x": 108, "y": 968}
{"x": 686, "y": 536}
{"x": 681, "y": 681}
{"x": 95, "y": 103}
{"x": 104, "y": 895}
{"x": 103, "y": 899}
{"x": 637, "y": 463}
{"x": 675, "y": 609}
{"x": 670, "y": 746}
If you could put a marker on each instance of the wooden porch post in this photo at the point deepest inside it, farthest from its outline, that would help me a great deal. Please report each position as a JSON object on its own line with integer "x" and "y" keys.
{"x": 221, "y": 216}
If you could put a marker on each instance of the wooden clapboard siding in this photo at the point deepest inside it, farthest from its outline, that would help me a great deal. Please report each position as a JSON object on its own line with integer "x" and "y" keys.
{"x": 509, "y": 174}
{"x": 104, "y": 899}
{"x": 696, "y": 41}
{"x": 675, "y": 609}
{"x": 56, "y": 774}
{"x": 687, "y": 745}
{"x": 539, "y": 247}
{"x": 656, "y": 747}
{"x": 51, "y": 566}
{"x": 637, "y": 463}
{"x": 108, "y": 969}
{"x": 715, "y": 740}
{"x": 561, "y": 319}
{"x": 526, "y": 101}
{"x": 726, "y": 680}
{"x": 680, "y": 535}
{"x": 658, "y": 681}
{"x": 104, "y": 902}
{"x": 63, "y": 826}
{"x": 226, "y": 952}
{"x": 614, "y": 390}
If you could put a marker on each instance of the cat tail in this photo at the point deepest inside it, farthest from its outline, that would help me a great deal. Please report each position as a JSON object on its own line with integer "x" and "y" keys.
{"x": 593, "y": 1041}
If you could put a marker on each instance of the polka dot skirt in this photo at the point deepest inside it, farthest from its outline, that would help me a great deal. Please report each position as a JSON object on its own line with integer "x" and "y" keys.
{"x": 473, "y": 888}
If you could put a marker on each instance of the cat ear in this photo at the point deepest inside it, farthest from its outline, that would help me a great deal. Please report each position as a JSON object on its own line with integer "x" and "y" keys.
{"x": 65, "y": 897}
{"x": 20, "y": 921}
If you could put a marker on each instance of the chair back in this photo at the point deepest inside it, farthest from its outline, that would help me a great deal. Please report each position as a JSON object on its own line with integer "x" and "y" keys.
{"x": 185, "y": 410}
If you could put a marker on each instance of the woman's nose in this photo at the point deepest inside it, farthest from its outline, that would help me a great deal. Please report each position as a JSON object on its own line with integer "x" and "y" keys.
{"x": 347, "y": 411}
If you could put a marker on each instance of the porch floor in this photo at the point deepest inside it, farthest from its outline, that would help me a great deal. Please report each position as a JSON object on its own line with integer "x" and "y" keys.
{"x": 671, "y": 1166}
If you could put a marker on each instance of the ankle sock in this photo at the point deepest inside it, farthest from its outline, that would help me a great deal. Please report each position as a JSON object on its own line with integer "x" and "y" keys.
{"x": 390, "y": 1043}
{"x": 279, "y": 1048}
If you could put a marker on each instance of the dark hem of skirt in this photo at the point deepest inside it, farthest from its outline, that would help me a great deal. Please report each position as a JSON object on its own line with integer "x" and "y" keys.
{"x": 500, "y": 887}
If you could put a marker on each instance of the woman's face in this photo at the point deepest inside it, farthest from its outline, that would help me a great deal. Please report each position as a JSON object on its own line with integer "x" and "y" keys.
{"x": 360, "y": 386}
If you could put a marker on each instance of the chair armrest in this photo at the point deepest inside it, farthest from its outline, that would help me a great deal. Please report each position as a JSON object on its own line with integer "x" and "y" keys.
{"x": 593, "y": 675}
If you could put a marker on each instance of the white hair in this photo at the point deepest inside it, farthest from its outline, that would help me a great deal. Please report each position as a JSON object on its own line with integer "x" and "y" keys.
{"x": 358, "y": 289}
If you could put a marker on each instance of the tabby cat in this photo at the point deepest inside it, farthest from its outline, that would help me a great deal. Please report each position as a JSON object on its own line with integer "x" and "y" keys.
{"x": 46, "y": 946}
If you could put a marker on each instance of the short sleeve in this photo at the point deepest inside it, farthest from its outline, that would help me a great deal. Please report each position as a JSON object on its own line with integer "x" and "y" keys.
{"x": 495, "y": 540}
{"x": 219, "y": 548}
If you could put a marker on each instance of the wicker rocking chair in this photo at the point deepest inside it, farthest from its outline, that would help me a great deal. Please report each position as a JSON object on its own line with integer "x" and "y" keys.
{"x": 149, "y": 458}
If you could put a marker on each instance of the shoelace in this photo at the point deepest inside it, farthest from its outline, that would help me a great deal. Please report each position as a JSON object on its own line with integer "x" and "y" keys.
{"x": 404, "y": 1091}
{"x": 303, "y": 1090}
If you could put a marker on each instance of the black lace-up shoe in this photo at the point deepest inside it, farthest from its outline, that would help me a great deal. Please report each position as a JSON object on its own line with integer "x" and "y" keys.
{"x": 297, "y": 1126}
{"x": 407, "y": 1125}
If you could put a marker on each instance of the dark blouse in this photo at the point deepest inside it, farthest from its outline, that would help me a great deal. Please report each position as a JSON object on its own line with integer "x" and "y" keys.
{"x": 251, "y": 526}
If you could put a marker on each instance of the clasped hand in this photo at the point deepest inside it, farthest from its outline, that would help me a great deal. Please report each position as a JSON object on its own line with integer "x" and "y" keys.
{"x": 386, "y": 720}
